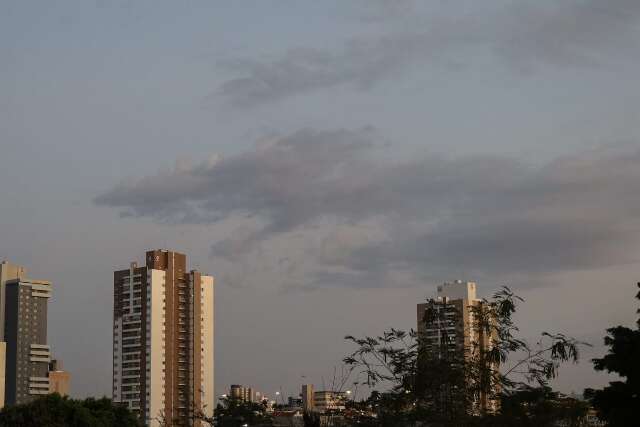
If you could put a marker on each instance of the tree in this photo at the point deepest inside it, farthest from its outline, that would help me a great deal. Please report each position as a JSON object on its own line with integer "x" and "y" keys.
{"x": 537, "y": 407}
{"x": 311, "y": 419}
{"x": 619, "y": 401}
{"x": 237, "y": 412}
{"x": 55, "y": 411}
{"x": 448, "y": 382}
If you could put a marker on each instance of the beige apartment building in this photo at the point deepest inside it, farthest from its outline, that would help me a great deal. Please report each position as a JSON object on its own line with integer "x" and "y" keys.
{"x": 241, "y": 393}
{"x": 324, "y": 401}
{"x": 452, "y": 328}
{"x": 307, "y": 397}
{"x": 163, "y": 340}
{"x": 59, "y": 379}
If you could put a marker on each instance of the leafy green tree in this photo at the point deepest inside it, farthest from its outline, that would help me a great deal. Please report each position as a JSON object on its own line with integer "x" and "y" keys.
{"x": 618, "y": 403}
{"x": 445, "y": 384}
{"x": 56, "y": 411}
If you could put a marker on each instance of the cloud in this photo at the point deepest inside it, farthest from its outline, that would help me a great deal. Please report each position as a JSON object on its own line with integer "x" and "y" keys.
{"x": 383, "y": 10}
{"x": 336, "y": 208}
{"x": 526, "y": 36}
{"x": 286, "y": 181}
{"x": 574, "y": 33}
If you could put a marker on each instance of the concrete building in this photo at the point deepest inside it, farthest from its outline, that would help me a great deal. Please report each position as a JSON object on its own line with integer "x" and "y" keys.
{"x": 450, "y": 327}
{"x": 294, "y": 402}
{"x": 163, "y": 339}
{"x": 8, "y": 272}
{"x": 244, "y": 394}
{"x": 307, "y": 397}
{"x": 59, "y": 379}
{"x": 25, "y": 326}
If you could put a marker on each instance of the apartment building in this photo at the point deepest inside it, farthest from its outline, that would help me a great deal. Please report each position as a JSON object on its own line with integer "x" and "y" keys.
{"x": 25, "y": 331}
{"x": 449, "y": 325}
{"x": 307, "y": 397}
{"x": 163, "y": 339}
{"x": 59, "y": 379}
{"x": 324, "y": 401}
{"x": 241, "y": 393}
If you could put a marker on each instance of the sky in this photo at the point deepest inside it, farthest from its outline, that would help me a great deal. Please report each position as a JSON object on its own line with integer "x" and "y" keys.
{"x": 330, "y": 163}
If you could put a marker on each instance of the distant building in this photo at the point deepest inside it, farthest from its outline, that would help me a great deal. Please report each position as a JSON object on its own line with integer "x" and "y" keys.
{"x": 25, "y": 326}
{"x": 163, "y": 322}
{"x": 324, "y": 401}
{"x": 294, "y": 402}
{"x": 451, "y": 329}
{"x": 239, "y": 392}
{"x": 8, "y": 272}
{"x": 307, "y": 397}
{"x": 592, "y": 419}
{"x": 287, "y": 418}
{"x": 59, "y": 379}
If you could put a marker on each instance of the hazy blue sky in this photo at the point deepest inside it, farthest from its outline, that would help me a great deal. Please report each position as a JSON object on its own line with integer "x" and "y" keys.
{"x": 329, "y": 162}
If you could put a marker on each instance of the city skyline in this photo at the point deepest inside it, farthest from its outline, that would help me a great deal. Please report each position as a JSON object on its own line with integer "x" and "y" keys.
{"x": 330, "y": 164}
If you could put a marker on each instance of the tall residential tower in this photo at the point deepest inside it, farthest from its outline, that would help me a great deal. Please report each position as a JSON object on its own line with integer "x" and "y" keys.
{"x": 8, "y": 272}
{"x": 25, "y": 331}
{"x": 163, "y": 339}
{"x": 451, "y": 327}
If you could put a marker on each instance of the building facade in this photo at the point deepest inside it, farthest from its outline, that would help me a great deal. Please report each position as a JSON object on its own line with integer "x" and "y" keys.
{"x": 8, "y": 272}
{"x": 307, "y": 397}
{"x": 163, "y": 339}
{"x": 239, "y": 392}
{"x": 59, "y": 379}
{"x": 448, "y": 324}
{"x": 25, "y": 326}
{"x": 324, "y": 401}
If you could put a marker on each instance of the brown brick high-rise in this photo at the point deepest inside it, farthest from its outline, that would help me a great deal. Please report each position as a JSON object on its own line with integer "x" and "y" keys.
{"x": 163, "y": 339}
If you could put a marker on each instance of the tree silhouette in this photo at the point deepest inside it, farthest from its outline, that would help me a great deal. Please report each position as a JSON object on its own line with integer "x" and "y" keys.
{"x": 618, "y": 403}
{"x": 55, "y": 411}
{"x": 445, "y": 384}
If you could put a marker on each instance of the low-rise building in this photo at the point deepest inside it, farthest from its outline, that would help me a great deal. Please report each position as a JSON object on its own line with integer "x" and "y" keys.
{"x": 239, "y": 392}
{"x": 59, "y": 379}
{"x": 324, "y": 401}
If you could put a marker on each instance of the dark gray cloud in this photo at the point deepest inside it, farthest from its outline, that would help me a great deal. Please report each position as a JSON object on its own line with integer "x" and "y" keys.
{"x": 290, "y": 181}
{"x": 361, "y": 63}
{"x": 367, "y": 219}
{"x": 527, "y": 35}
{"x": 383, "y": 10}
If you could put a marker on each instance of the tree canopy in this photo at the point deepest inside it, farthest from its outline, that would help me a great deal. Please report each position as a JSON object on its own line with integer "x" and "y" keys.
{"x": 55, "y": 411}
{"x": 236, "y": 413}
{"x": 618, "y": 402}
{"x": 448, "y": 382}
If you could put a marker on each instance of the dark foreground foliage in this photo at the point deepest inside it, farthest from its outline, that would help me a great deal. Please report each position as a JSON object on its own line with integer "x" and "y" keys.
{"x": 497, "y": 380}
{"x": 618, "y": 403}
{"x": 56, "y": 411}
{"x": 236, "y": 413}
